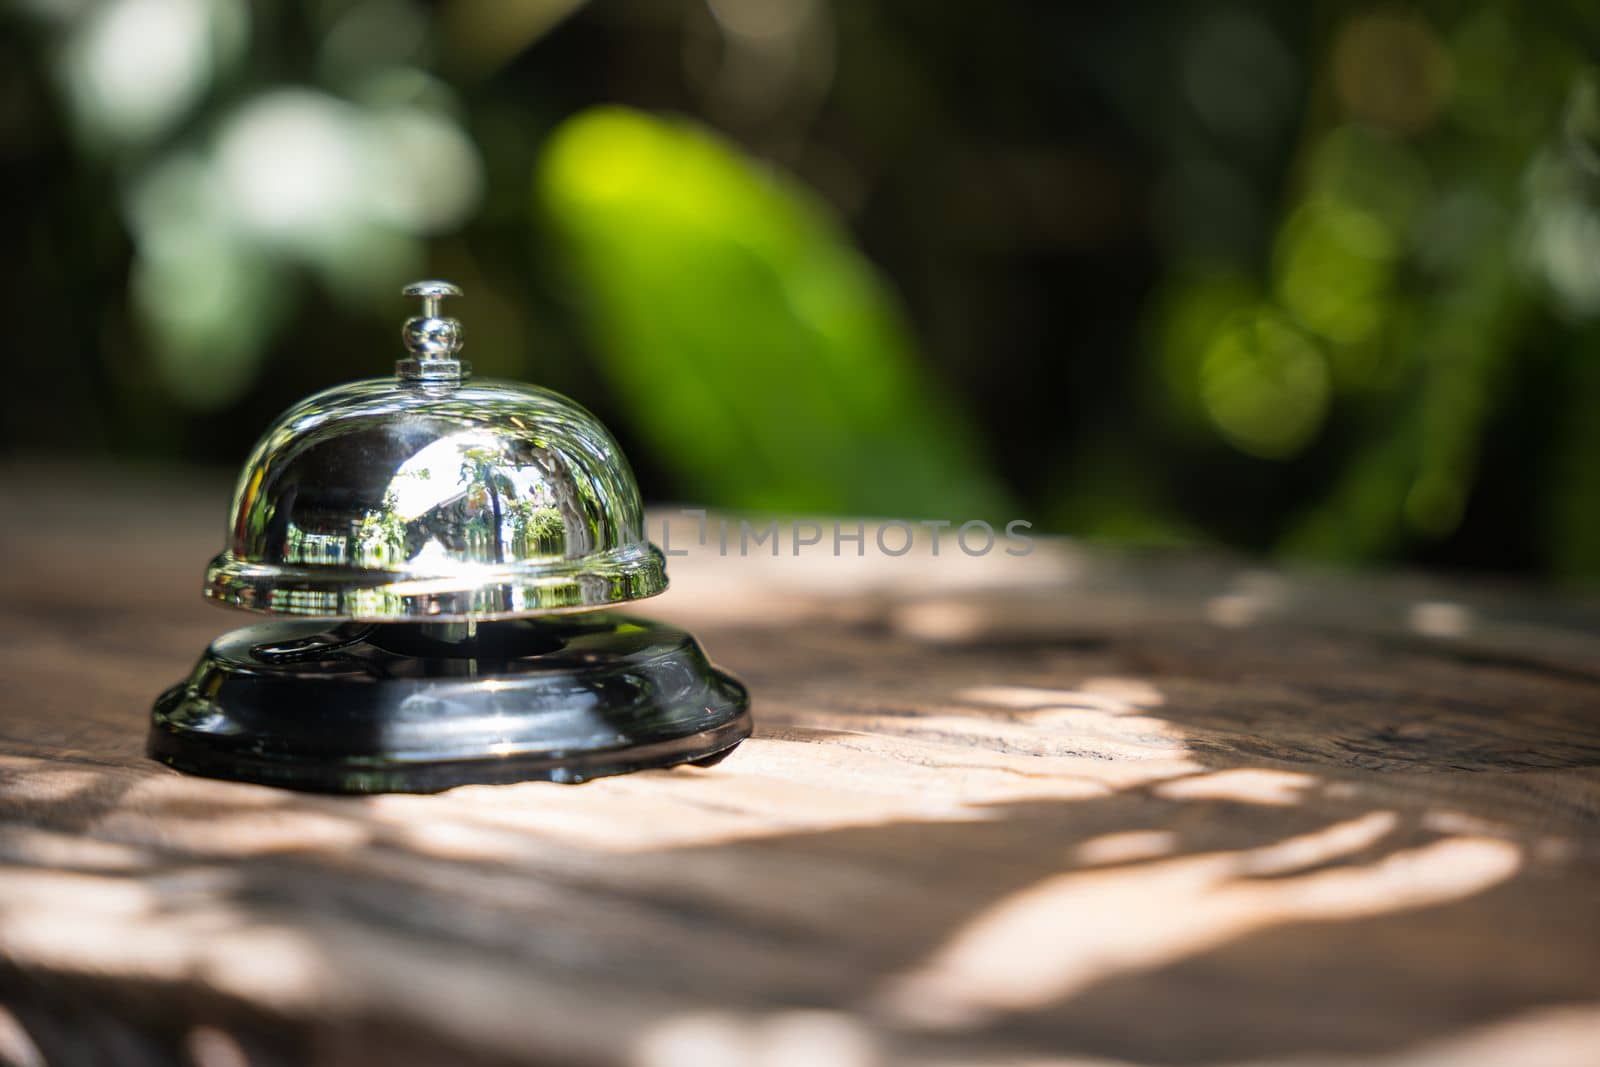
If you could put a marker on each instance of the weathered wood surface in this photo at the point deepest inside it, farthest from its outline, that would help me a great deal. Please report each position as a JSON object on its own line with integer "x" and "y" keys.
{"x": 1067, "y": 808}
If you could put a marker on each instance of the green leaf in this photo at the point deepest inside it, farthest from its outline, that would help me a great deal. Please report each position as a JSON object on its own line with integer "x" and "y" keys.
{"x": 754, "y": 348}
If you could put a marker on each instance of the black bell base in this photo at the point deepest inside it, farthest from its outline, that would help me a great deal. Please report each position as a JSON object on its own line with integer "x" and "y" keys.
{"x": 423, "y": 707}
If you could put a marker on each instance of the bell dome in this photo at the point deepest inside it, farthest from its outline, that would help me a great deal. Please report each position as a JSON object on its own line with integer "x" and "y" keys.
{"x": 431, "y": 495}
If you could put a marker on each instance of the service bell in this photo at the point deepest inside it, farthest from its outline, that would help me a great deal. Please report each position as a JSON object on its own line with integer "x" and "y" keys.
{"x": 436, "y": 553}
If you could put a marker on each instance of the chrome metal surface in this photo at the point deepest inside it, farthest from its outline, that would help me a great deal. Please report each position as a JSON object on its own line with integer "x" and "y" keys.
{"x": 367, "y": 708}
{"x": 433, "y": 341}
{"x": 413, "y": 498}
{"x": 431, "y": 292}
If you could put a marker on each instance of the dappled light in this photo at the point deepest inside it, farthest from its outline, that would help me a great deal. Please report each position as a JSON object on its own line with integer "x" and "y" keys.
{"x": 1243, "y": 786}
{"x": 1104, "y": 694}
{"x": 1439, "y": 618}
{"x": 788, "y": 1039}
{"x": 1125, "y": 846}
{"x": 1105, "y": 449}
{"x": 15, "y": 1044}
{"x": 1111, "y": 820}
{"x": 1091, "y": 829}
{"x": 1054, "y": 938}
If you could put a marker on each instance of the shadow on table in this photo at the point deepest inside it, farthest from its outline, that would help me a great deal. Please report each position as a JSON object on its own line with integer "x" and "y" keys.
{"x": 1399, "y": 871}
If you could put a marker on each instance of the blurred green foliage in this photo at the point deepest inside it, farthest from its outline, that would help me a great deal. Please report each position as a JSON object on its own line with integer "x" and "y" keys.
{"x": 1319, "y": 280}
{"x": 1401, "y": 300}
{"x": 746, "y": 336}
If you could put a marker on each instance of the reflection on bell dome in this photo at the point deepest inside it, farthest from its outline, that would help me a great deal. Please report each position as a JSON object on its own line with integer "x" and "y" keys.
{"x": 469, "y": 496}
{"x": 387, "y": 499}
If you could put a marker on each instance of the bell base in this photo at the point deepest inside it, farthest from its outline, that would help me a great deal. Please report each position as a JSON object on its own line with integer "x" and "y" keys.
{"x": 419, "y": 707}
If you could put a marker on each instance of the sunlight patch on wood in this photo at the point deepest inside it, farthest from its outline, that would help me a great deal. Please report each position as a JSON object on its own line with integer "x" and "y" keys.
{"x": 1254, "y": 595}
{"x": 47, "y": 848}
{"x": 176, "y": 928}
{"x": 174, "y": 925}
{"x": 799, "y": 781}
{"x": 456, "y": 840}
{"x": 1135, "y": 691}
{"x": 1127, "y": 846}
{"x": 945, "y": 621}
{"x": 211, "y": 1046}
{"x": 787, "y": 1039}
{"x": 17, "y": 1048}
{"x": 1459, "y": 822}
{"x": 1545, "y": 1037}
{"x": 248, "y": 833}
{"x": 1440, "y": 618}
{"x": 1321, "y": 846}
{"x": 1064, "y": 933}
{"x": 1052, "y": 732}
{"x": 1100, "y": 694}
{"x": 1243, "y": 786}
{"x": 272, "y": 964}
{"x": 44, "y": 780}
{"x": 43, "y": 893}
{"x": 995, "y": 617}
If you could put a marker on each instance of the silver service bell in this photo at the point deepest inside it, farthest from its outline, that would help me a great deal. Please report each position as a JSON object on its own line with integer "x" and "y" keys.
{"x": 434, "y": 549}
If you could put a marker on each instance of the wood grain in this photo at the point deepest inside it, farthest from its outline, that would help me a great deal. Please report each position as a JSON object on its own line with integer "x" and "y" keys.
{"x": 1068, "y": 808}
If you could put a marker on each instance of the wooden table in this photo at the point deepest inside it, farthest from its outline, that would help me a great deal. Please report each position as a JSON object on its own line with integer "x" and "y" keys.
{"x": 1067, "y": 808}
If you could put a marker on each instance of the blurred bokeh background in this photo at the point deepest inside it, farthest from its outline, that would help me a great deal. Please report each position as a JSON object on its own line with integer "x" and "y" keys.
{"x": 1316, "y": 280}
